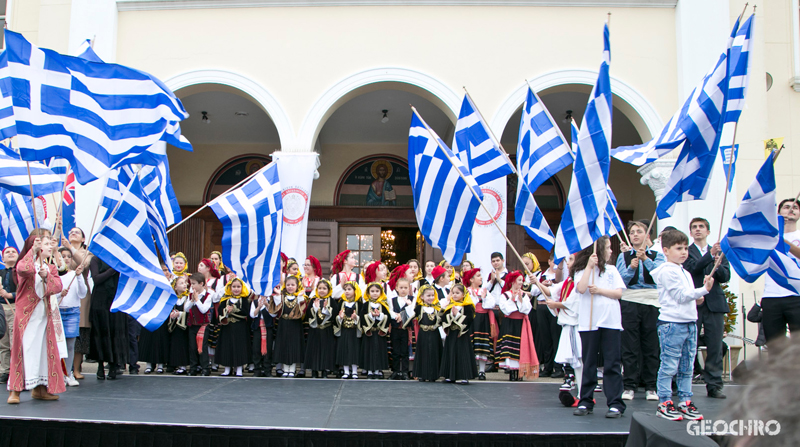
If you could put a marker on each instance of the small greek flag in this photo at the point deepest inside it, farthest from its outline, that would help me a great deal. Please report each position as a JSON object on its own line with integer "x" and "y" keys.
{"x": 16, "y": 219}
{"x": 528, "y": 215}
{"x": 14, "y": 177}
{"x": 475, "y": 147}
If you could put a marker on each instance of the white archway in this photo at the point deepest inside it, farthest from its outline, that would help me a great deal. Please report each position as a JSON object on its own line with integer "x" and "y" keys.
{"x": 260, "y": 95}
{"x": 344, "y": 90}
{"x": 645, "y": 119}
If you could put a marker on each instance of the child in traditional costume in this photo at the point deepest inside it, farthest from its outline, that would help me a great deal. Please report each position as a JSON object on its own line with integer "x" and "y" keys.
{"x": 197, "y": 320}
{"x": 515, "y": 347}
{"x": 261, "y": 328}
{"x": 233, "y": 346}
{"x": 484, "y": 326}
{"x": 320, "y": 355}
{"x": 427, "y": 313}
{"x": 375, "y": 327}
{"x": 400, "y": 300}
{"x": 179, "y": 335}
{"x": 348, "y": 329}
{"x": 458, "y": 358}
{"x": 289, "y": 304}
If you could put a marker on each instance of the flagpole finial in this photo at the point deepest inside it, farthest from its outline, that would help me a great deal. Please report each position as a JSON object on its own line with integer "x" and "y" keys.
{"x": 608, "y": 22}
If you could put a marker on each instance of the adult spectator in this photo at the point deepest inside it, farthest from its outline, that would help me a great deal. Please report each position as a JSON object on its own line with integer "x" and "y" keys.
{"x": 781, "y": 307}
{"x": 8, "y": 294}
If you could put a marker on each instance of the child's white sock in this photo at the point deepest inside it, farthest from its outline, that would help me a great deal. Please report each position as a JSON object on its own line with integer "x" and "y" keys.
{"x": 211, "y": 352}
{"x": 227, "y": 370}
{"x": 292, "y": 368}
{"x": 238, "y": 370}
{"x": 346, "y": 370}
{"x": 355, "y": 369}
{"x": 150, "y": 365}
{"x": 160, "y": 365}
{"x": 482, "y": 366}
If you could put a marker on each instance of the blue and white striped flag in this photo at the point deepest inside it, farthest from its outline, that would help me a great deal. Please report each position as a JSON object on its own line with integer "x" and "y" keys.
{"x": 541, "y": 151}
{"x": 252, "y": 222}
{"x": 474, "y": 146}
{"x": 783, "y": 266}
{"x": 528, "y": 215}
{"x": 445, "y": 193}
{"x": 148, "y": 304}
{"x": 112, "y": 194}
{"x": 584, "y": 219}
{"x": 739, "y": 69}
{"x": 14, "y": 176}
{"x": 125, "y": 242}
{"x": 157, "y": 185}
{"x": 753, "y": 232}
{"x": 58, "y": 165}
{"x": 98, "y": 116}
{"x": 16, "y": 219}
{"x": 86, "y": 52}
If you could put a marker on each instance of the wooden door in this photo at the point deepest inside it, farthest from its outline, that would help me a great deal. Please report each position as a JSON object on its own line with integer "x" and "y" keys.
{"x": 322, "y": 242}
{"x": 365, "y": 242}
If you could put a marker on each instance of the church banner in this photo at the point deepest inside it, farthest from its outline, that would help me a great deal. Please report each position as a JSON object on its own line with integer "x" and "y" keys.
{"x": 296, "y": 171}
{"x": 486, "y": 239}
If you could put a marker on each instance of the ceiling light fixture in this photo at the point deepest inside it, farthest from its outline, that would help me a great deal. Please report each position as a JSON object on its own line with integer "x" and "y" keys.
{"x": 205, "y": 118}
{"x": 385, "y": 118}
{"x": 241, "y": 113}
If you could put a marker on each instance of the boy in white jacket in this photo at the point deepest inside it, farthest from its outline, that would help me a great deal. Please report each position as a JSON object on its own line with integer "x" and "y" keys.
{"x": 677, "y": 327}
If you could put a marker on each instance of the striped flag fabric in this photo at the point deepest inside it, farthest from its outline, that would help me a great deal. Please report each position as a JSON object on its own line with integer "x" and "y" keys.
{"x": 252, "y": 222}
{"x": 753, "y": 232}
{"x": 125, "y": 242}
{"x": 474, "y": 146}
{"x": 528, "y": 215}
{"x": 541, "y": 151}
{"x": 783, "y": 266}
{"x": 444, "y": 192}
{"x": 86, "y": 52}
{"x": 148, "y": 304}
{"x": 16, "y": 219}
{"x": 739, "y": 70}
{"x": 584, "y": 218}
{"x": 157, "y": 185}
{"x": 98, "y": 116}
{"x": 14, "y": 177}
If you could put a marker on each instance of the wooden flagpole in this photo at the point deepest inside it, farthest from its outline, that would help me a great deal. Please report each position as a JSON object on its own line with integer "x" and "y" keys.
{"x": 516, "y": 253}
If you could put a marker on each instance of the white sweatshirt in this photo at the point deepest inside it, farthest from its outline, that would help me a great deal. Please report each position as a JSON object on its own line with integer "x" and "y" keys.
{"x": 676, "y": 294}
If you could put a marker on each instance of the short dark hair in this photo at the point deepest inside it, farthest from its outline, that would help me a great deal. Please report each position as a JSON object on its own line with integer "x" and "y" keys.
{"x": 637, "y": 223}
{"x": 700, "y": 219}
{"x": 497, "y": 254}
{"x": 673, "y": 237}
{"x": 668, "y": 228}
{"x": 63, "y": 249}
{"x": 780, "y": 205}
{"x": 199, "y": 278}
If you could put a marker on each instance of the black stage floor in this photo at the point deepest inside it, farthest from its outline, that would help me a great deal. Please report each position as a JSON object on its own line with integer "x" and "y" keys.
{"x": 152, "y": 403}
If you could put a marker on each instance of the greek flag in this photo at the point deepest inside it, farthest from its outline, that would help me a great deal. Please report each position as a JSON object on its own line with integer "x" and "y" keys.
{"x": 584, "y": 218}
{"x": 475, "y": 147}
{"x": 541, "y": 151}
{"x": 86, "y": 52}
{"x": 783, "y": 266}
{"x": 528, "y": 215}
{"x": 443, "y": 203}
{"x": 14, "y": 177}
{"x": 252, "y": 222}
{"x": 125, "y": 242}
{"x": 157, "y": 185}
{"x": 729, "y": 157}
{"x": 753, "y": 232}
{"x": 16, "y": 219}
{"x": 112, "y": 194}
{"x": 739, "y": 69}
{"x": 98, "y": 116}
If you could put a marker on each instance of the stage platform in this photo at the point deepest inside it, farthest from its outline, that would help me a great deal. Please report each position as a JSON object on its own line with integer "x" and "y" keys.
{"x": 209, "y": 411}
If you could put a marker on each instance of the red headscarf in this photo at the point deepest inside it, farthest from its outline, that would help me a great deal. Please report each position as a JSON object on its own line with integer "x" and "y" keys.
{"x": 316, "y": 265}
{"x": 211, "y": 267}
{"x": 466, "y": 277}
{"x": 285, "y": 261}
{"x": 371, "y": 271}
{"x": 338, "y": 262}
{"x": 397, "y": 273}
{"x": 510, "y": 278}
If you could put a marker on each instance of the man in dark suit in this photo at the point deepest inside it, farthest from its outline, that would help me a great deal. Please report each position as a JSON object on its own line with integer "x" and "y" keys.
{"x": 710, "y": 314}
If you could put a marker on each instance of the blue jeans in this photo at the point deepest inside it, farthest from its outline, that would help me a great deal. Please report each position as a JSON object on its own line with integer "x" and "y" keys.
{"x": 678, "y": 349}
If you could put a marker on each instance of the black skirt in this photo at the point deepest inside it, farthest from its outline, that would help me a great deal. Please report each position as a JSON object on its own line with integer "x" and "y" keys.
{"x": 179, "y": 347}
{"x": 321, "y": 350}
{"x": 289, "y": 342}
{"x": 428, "y": 355}
{"x": 154, "y": 346}
{"x": 233, "y": 345}
{"x": 458, "y": 358}
{"x": 374, "y": 355}
{"x": 482, "y": 341}
{"x": 348, "y": 348}
{"x": 109, "y": 332}
{"x": 508, "y": 343}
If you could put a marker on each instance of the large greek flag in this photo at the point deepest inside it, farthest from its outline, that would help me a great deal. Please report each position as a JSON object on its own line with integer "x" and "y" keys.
{"x": 753, "y": 232}
{"x": 16, "y": 219}
{"x": 17, "y": 176}
{"x": 528, "y": 215}
{"x": 98, "y": 116}
{"x": 125, "y": 242}
{"x": 783, "y": 266}
{"x": 541, "y": 150}
{"x": 475, "y": 147}
{"x": 252, "y": 221}
{"x": 739, "y": 69}
{"x": 584, "y": 219}
{"x": 445, "y": 193}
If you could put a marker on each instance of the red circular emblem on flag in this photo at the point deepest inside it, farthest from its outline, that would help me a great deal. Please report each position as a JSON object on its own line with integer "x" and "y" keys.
{"x": 294, "y": 205}
{"x": 493, "y": 203}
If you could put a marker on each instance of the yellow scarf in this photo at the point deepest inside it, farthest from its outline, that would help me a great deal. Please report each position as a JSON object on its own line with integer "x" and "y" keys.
{"x": 229, "y": 293}
{"x": 356, "y": 294}
{"x": 467, "y": 301}
{"x": 435, "y": 304}
{"x": 382, "y": 299}
{"x": 185, "y": 265}
{"x": 452, "y": 274}
{"x": 222, "y": 269}
{"x": 330, "y": 289}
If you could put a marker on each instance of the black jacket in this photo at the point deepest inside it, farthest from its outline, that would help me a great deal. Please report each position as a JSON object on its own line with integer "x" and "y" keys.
{"x": 2, "y": 322}
{"x": 9, "y": 283}
{"x": 700, "y": 266}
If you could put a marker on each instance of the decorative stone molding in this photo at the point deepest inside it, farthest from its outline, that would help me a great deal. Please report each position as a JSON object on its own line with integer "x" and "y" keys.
{"x": 656, "y": 174}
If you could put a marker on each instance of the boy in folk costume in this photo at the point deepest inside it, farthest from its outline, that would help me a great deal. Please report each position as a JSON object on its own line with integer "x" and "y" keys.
{"x": 320, "y": 355}
{"x": 427, "y": 313}
{"x": 458, "y": 358}
{"x": 400, "y": 300}
{"x": 197, "y": 320}
{"x": 348, "y": 329}
{"x": 484, "y": 325}
{"x": 289, "y": 303}
{"x": 515, "y": 348}
{"x": 441, "y": 285}
{"x": 261, "y": 328}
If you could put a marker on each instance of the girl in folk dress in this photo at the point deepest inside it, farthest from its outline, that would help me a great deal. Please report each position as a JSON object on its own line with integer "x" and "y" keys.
{"x": 427, "y": 313}
{"x": 516, "y": 348}
{"x": 233, "y": 346}
{"x": 348, "y": 329}
{"x": 375, "y": 327}
{"x": 321, "y": 347}
{"x": 35, "y": 360}
{"x": 484, "y": 326}
{"x": 290, "y": 304}
{"x": 458, "y": 358}
{"x": 215, "y": 287}
{"x": 415, "y": 273}
{"x": 313, "y": 272}
{"x": 179, "y": 334}
{"x": 342, "y": 270}
{"x": 224, "y": 272}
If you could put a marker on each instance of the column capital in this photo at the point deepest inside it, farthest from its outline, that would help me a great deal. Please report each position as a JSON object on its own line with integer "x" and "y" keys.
{"x": 656, "y": 174}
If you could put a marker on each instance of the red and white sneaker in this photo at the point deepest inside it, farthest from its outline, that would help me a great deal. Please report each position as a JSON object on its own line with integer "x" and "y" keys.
{"x": 689, "y": 411}
{"x": 667, "y": 411}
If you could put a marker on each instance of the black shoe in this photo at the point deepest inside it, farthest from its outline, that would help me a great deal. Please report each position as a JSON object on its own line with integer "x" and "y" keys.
{"x": 4, "y": 378}
{"x": 133, "y": 372}
{"x": 546, "y": 374}
{"x": 206, "y": 373}
{"x": 717, "y": 393}
{"x": 582, "y": 411}
{"x": 101, "y": 374}
{"x": 481, "y": 376}
{"x": 613, "y": 413}
{"x": 112, "y": 374}
{"x": 557, "y": 374}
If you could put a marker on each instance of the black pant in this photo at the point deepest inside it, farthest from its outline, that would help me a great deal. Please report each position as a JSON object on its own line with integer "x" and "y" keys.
{"x": 640, "y": 348}
{"x": 713, "y": 325}
{"x": 262, "y": 363}
{"x": 198, "y": 360}
{"x": 607, "y": 341}
{"x": 399, "y": 349}
{"x": 548, "y": 333}
{"x": 134, "y": 329}
{"x": 776, "y": 313}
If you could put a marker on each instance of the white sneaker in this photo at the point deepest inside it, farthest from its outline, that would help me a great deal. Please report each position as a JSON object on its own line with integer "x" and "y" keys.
{"x": 628, "y": 395}
{"x": 71, "y": 381}
{"x": 651, "y": 395}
